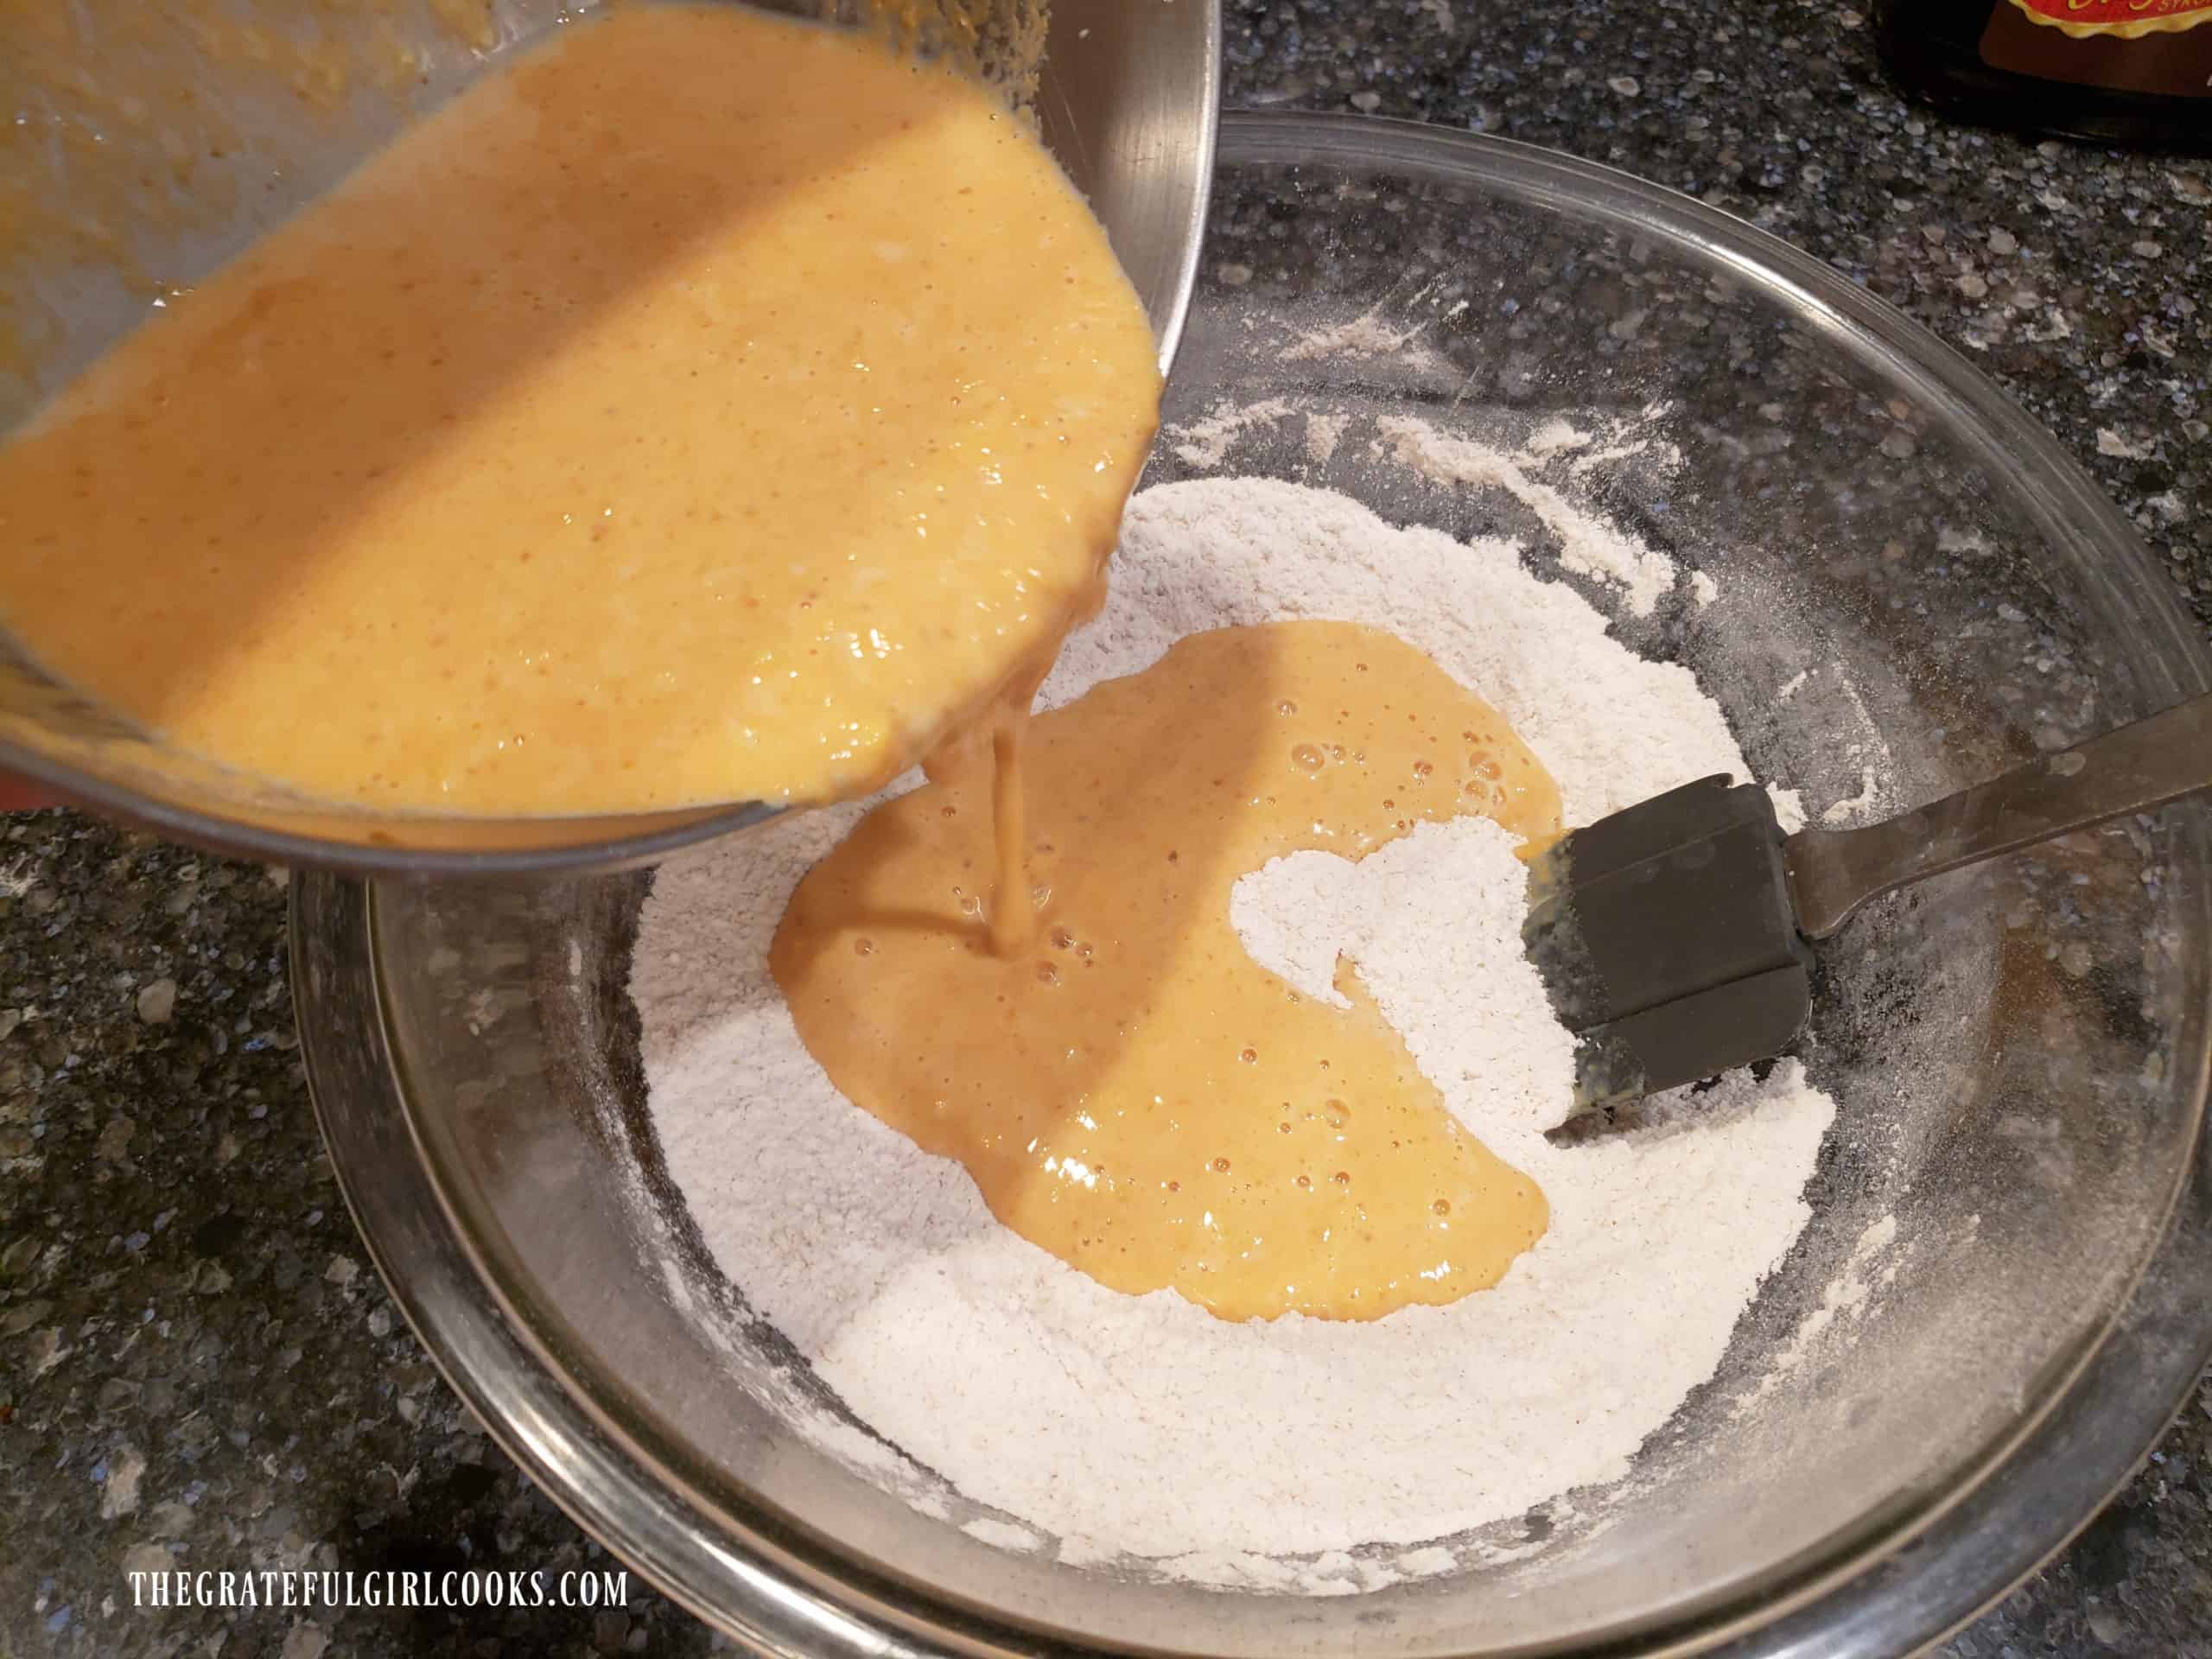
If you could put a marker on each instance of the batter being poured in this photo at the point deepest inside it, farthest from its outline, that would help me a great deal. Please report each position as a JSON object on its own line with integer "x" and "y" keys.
{"x": 1131, "y": 1091}
{"x": 705, "y": 406}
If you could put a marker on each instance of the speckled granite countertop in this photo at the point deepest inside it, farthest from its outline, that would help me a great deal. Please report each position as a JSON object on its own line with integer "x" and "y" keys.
{"x": 196, "y": 1362}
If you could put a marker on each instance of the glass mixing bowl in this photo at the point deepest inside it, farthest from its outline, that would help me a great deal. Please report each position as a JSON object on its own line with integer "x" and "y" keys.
{"x": 2018, "y": 1053}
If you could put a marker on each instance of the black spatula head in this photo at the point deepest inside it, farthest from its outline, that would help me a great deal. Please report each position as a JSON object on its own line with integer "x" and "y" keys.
{"x": 1667, "y": 939}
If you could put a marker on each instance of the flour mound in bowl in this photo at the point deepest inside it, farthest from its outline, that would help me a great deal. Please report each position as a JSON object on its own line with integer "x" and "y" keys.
{"x": 1143, "y": 1430}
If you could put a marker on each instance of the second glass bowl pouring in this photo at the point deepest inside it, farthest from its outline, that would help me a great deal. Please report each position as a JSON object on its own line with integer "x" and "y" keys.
{"x": 1128, "y": 102}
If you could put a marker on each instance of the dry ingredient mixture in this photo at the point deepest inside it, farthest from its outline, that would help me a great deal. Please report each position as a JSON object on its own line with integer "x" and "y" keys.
{"x": 1297, "y": 1453}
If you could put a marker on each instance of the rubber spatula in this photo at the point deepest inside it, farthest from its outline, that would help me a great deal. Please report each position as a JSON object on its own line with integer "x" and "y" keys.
{"x": 1676, "y": 938}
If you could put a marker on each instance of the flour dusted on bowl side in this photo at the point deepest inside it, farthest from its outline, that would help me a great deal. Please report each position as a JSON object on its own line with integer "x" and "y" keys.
{"x": 1143, "y": 1432}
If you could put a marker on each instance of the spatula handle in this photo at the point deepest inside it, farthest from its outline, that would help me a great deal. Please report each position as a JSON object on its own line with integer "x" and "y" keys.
{"x": 1833, "y": 871}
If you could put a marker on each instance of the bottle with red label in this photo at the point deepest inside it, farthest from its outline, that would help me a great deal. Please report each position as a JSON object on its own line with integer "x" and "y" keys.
{"x": 2137, "y": 73}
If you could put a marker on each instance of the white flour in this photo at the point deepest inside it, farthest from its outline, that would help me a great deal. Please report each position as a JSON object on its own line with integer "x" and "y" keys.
{"x": 1300, "y": 1454}
{"x": 1848, "y": 1297}
{"x": 1364, "y": 336}
{"x": 1206, "y": 442}
{"x": 1323, "y": 434}
{"x": 1588, "y": 545}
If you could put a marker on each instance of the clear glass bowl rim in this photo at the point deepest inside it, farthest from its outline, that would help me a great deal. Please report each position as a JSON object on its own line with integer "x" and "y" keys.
{"x": 1892, "y": 1587}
